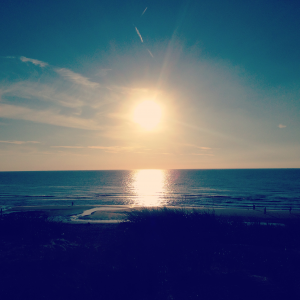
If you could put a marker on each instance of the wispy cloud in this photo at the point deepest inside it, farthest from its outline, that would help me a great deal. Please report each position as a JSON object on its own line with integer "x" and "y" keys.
{"x": 103, "y": 72}
{"x": 200, "y": 154}
{"x": 44, "y": 92}
{"x": 65, "y": 98}
{"x": 197, "y": 150}
{"x": 137, "y": 31}
{"x": 281, "y": 126}
{"x": 69, "y": 147}
{"x": 76, "y": 78}
{"x": 50, "y": 116}
{"x": 113, "y": 149}
{"x": 198, "y": 147}
{"x": 110, "y": 149}
{"x": 144, "y": 11}
{"x": 34, "y": 61}
{"x": 20, "y": 142}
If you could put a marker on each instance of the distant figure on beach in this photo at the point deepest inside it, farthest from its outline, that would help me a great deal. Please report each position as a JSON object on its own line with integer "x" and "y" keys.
{"x": 265, "y": 210}
{"x": 72, "y": 203}
{"x": 253, "y": 206}
{"x": 290, "y": 209}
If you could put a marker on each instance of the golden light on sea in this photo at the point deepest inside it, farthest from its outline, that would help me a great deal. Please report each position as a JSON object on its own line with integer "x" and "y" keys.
{"x": 149, "y": 187}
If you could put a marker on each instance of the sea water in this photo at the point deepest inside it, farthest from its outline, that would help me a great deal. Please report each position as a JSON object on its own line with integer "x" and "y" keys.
{"x": 240, "y": 188}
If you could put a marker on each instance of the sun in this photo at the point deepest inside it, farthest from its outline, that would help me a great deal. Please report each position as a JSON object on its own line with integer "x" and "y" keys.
{"x": 147, "y": 114}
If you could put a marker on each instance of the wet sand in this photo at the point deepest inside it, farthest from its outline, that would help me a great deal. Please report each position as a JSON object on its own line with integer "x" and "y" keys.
{"x": 117, "y": 213}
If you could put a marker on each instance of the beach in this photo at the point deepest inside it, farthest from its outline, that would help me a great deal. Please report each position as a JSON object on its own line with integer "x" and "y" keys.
{"x": 117, "y": 213}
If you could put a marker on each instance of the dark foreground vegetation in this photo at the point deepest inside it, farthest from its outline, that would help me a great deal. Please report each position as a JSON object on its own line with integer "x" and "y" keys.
{"x": 157, "y": 254}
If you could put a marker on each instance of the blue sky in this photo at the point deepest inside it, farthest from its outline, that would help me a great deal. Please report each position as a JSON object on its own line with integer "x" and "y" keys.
{"x": 225, "y": 73}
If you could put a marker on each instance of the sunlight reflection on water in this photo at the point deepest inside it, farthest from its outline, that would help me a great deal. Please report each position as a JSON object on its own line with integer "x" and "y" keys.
{"x": 149, "y": 187}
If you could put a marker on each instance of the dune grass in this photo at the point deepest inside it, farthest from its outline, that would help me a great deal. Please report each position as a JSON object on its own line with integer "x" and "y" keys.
{"x": 33, "y": 227}
{"x": 207, "y": 227}
{"x": 156, "y": 254}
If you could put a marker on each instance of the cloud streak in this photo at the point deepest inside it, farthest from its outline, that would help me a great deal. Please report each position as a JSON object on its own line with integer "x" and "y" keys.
{"x": 76, "y": 78}
{"x": 50, "y": 116}
{"x": 281, "y": 126}
{"x": 20, "y": 142}
{"x": 137, "y": 31}
{"x": 33, "y": 61}
{"x": 69, "y": 147}
{"x": 198, "y": 147}
{"x": 199, "y": 154}
{"x": 103, "y": 72}
{"x": 110, "y": 149}
{"x": 63, "y": 98}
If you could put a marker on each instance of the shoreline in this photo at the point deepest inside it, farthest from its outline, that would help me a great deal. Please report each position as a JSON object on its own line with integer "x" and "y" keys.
{"x": 117, "y": 213}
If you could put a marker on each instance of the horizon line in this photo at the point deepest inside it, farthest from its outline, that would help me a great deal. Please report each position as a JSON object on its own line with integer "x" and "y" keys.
{"x": 91, "y": 170}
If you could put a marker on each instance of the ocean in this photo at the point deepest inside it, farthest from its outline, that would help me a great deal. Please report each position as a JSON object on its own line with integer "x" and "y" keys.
{"x": 238, "y": 188}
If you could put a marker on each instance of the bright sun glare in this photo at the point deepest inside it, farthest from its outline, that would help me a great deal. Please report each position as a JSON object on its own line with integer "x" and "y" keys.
{"x": 147, "y": 114}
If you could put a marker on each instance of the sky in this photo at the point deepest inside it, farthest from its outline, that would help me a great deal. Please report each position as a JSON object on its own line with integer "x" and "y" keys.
{"x": 225, "y": 75}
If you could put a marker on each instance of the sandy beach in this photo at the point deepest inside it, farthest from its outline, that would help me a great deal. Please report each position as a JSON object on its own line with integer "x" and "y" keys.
{"x": 117, "y": 213}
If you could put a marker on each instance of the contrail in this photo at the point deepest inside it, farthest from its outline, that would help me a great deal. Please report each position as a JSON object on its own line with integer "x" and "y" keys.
{"x": 150, "y": 53}
{"x": 144, "y": 11}
{"x": 137, "y": 31}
